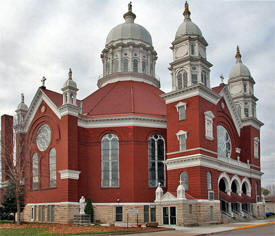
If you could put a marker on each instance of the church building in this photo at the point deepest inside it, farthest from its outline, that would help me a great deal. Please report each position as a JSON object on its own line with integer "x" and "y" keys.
{"x": 190, "y": 156}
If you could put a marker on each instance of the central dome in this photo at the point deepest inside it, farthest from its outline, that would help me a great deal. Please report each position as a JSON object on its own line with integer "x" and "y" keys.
{"x": 129, "y": 30}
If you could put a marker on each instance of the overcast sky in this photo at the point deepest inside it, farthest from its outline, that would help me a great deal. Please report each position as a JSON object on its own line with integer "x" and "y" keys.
{"x": 46, "y": 37}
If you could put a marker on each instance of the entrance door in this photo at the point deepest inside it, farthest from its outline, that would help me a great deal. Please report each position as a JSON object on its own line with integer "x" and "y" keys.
{"x": 169, "y": 216}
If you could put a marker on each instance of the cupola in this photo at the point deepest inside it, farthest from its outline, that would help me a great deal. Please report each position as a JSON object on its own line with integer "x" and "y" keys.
{"x": 129, "y": 53}
{"x": 69, "y": 90}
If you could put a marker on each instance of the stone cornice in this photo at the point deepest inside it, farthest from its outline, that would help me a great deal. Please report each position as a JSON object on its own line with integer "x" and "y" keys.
{"x": 119, "y": 121}
{"x": 190, "y": 59}
{"x": 251, "y": 121}
{"x": 228, "y": 166}
{"x": 196, "y": 90}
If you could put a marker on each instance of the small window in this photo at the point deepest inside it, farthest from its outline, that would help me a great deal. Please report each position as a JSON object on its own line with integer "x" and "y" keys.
{"x": 194, "y": 79}
{"x": 119, "y": 213}
{"x": 115, "y": 65}
{"x": 192, "y": 49}
{"x": 125, "y": 65}
{"x": 135, "y": 65}
{"x": 190, "y": 209}
{"x": 209, "y": 116}
{"x": 181, "y": 108}
{"x": 182, "y": 79}
{"x": 246, "y": 112}
{"x": 32, "y": 213}
{"x": 245, "y": 87}
{"x": 146, "y": 213}
{"x": 184, "y": 179}
{"x": 182, "y": 136}
{"x": 153, "y": 213}
{"x": 256, "y": 147}
{"x": 209, "y": 180}
{"x": 211, "y": 195}
{"x": 203, "y": 78}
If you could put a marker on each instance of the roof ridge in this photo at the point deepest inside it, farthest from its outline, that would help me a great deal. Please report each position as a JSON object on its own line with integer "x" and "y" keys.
{"x": 112, "y": 85}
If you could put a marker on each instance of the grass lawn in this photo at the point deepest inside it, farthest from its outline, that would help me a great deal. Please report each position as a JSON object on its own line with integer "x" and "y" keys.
{"x": 60, "y": 229}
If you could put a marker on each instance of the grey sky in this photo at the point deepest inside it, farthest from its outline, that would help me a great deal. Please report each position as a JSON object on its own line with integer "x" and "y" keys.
{"x": 44, "y": 38}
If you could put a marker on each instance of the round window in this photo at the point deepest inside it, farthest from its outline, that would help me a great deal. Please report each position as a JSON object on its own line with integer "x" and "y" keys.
{"x": 43, "y": 137}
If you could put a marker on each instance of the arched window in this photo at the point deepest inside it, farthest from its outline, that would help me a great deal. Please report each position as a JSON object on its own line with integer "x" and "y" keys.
{"x": 203, "y": 78}
{"x": 115, "y": 65}
{"x": 110, "y": 161}
{"x": 234, "y": 186}
{"x": 224, "y": 142}
{"x": 244, "y": 188}
{"x": 209, "y": 180}
{"x": 156, "y": 148}
{"x": 184, "y": 179}
{"x": 107, "y": 67}
{"x": 144, "y": 66}
{"x": 125, "y": 65}
{"x": 52, "y": 166}
{"x": 35, "y": 171}
{"x": 182, "y": 79}
{"x": 135, "y": 65}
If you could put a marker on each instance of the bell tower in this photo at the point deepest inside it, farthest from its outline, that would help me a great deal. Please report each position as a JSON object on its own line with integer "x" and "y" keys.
{"x": 189, "y": 66}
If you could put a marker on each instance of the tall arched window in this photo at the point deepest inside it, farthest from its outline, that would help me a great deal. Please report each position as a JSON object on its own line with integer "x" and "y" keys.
{"x": 35, "y": 171}
{"x": 125, "y": 65}
{"x": 184, "y": 179}
{"x": 182, "y": 79}
{"x": 115, "y": 65}
{"x": 224, "y": 142}
{"x": 209, "y": 180}
{"x": 110, "y": 161}
{"x": 135, "y": 65}
{"x": 156, "y": 148}
{"x": 52, "y": 166}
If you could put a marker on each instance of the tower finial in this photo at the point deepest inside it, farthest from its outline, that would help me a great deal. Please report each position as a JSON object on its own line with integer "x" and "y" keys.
{"x": 186, "y": 12}
{"x": 130, "y": 6}
{"x": 222, "y": 79}
{"x": 129, "y": 16}
{"x": 43, "y": 82}
{"x": 70, "y": 74}
{"x": 22, "y": 97}
{"x": 238, "y": 55}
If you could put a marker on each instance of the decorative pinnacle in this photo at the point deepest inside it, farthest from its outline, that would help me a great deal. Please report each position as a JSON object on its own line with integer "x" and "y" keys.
{"x": 238, "y": 55}
{"x": 22, "y": 97}
{"x": 186, "y": 12}
{"x": 70, "y": 74}
{"x": 130, "y": 6}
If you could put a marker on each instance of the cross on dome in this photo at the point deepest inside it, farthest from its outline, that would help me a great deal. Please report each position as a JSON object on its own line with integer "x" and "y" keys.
{"x": 70, "y": 74}
{"x": 22, "y": 97}
{"x": 130, "y": 6}
{"x": 129, "y": 16}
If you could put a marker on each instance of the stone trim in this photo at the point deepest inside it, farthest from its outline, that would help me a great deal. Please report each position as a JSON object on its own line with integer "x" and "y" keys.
{"x": 69, "y": 174}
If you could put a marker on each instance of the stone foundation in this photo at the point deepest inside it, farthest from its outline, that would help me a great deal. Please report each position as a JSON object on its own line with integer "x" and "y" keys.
{"x": 258, "y": 210}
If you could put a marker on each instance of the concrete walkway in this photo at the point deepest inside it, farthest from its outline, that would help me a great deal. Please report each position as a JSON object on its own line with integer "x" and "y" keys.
{"x": 209, "y": 229}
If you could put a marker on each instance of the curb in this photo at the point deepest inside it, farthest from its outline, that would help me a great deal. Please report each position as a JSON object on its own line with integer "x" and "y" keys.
{"x": 238, "y": 228}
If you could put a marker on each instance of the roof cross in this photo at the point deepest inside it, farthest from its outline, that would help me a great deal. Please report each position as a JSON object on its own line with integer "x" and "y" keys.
{"x": 43, "y": 81}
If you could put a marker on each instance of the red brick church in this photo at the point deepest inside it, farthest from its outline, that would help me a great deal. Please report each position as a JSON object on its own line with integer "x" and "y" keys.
{"x": 189, "y": 156}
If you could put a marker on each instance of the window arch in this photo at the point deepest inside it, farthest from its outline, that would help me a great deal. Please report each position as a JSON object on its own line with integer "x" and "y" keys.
{"x": 224, "y": 142}
{"x": 209, "y": 180}
{"x": 144, "y": 66}
{"x": 135, "y": 65}
{"x": 52, "y": 167}
{"x": 35, "y": 171}
{"x": 110, "y": 161}
{"x": 184, "y": 179}
{"x": 156, "y": 149}
{"x": 182, "y": 79}
{"x": 125, "y": 65}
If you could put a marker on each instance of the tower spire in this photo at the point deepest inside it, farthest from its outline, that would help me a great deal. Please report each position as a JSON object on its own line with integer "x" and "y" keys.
{"x": 238, "y": 55}
{"x": 186, "y": 12}
{"x": 70, "y": 74}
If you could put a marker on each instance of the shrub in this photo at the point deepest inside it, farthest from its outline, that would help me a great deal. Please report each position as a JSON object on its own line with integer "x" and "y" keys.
{"x": 89, "y": 209}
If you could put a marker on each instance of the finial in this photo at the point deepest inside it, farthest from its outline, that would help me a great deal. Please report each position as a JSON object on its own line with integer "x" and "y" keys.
{"x": 238, "y": 55}
{"x": 43, "y": 82}
{"x": 130, "y": 6}
{"x": 222, "y": 79}
{"x": 159, "y": 184}
{"x": 22, "y": 97}
{"x": 181, "y": 182}
{"x": 129, "y": 16}
{"x": 186, "y": 12}
{"x": 70, "y": 74}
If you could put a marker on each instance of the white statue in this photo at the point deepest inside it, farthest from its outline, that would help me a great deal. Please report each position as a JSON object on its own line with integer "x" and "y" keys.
{"x": 82, "y": 205}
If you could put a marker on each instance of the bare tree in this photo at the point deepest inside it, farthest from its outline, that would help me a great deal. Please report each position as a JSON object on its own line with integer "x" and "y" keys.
{"x": 14, "y": 162}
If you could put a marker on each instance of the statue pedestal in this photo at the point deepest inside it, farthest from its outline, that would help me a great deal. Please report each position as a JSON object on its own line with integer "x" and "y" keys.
{"x": 82, "y": 219}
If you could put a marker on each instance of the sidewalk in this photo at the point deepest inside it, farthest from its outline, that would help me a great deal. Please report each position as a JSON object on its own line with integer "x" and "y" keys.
{"x": 209, "y": 229}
